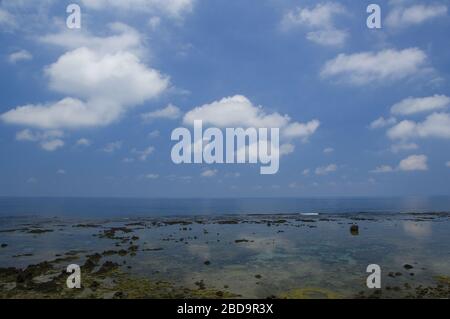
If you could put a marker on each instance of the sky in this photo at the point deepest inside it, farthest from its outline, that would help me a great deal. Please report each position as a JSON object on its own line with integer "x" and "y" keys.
{"x": 90, "y": 111}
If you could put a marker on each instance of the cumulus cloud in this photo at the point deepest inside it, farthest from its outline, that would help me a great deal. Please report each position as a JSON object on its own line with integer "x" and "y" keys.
{"x": 48, "y": 140}
{"x": 400, "y": 147}
{"x": 144, "y": 154}
{"x": 123, "y": 38}
{"x": 170, "y": 112}
{"x": 319, "y": 19}
{"x": 411, "y": 163}
{"x": 411, "y": 105}
{"x": 382, "y": 122}
{"x": 113, "y": 146}
{"x": 154, "y": 134}
{"x": 328, "y": 150}
{"x": 6, "y": 19}
{"x": 382, "y": 169}
{"x": 328, "y": 37}
{"x": 101, "y": 88}
{"x": 22, "y": 55}
{"x": 325, "y": 170}
{"x": 414, "y": 163}
{"x": 238, "y": 111}
{"x": 171, "y": 8}
{"x": 120, "y": 77}
{"x": 83, "y": 142}
{"x": 320, "y": 16}
{"x": 376, "y": 67}
{"x": 402, "y": 16}
{"x": 52, "y": 145}
{"x": 436, "y": 125}
{"x": 209, "y": 173}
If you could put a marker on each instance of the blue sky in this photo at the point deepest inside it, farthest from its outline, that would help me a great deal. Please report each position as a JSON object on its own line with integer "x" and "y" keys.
{"x": 90, "y": 112}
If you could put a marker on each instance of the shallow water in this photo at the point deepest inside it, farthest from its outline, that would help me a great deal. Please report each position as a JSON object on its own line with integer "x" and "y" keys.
{"x": 253, "y": 256}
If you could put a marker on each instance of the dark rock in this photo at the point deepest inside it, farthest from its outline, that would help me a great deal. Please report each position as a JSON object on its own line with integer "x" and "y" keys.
{"x": 354, "y": 230}
{"x": 107, "y": 267}
{"x": 408, "y": 266}
{"x": 86, "y": 226}
{"x": 39, "y": 231}
{"x": 4, "y": 245}
{"x": 207, "y": 263}
{"x": 242, "y": 241}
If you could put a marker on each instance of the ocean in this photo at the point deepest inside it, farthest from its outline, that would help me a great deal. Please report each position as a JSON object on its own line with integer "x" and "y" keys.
{"x": 146, "y": 207}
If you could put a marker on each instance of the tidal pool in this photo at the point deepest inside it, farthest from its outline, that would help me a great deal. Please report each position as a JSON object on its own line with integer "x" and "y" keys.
{"x": 233, "y": 256}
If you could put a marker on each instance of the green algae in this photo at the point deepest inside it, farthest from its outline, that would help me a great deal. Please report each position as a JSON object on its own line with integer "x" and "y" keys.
{"x": 310, "y": 293}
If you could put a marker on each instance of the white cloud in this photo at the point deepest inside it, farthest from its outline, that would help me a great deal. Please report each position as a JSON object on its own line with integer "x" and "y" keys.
{"x": 447, "y": 164}
{"x": 293, "y": 185}
{"x": 170, "y": 112}
{"x": 116, "y": 77}
{"x": 61, "y": 172}
{"x": 113, "y": 146}
{"x": 123, "y": 38}
{"x": 320, "y": 16}
{"x": 22, "y": 55}
{"x": 30, "y": 136}
{"x": 382, "y": 169}
{"x": 209, "y": 173}
{"x": 301, "y": 130}
{"x": 67, "y": 113}
{"x": 328, "y": 150}
{"x": 154, "y": 22}
{"x": 396, "y": 148}
{"x": 419, "y": 105}
{"x": 414, "y": 163}
{"x": 286, "y": 149}
{"x": 26, "y": 135}
{"x": 152, "y": 176}
{"x": 171, "y": 8}
{"x": 83, "y": 142}
{"x": 52, "y": 145}
{"x": 411, "y": 163}
{"x": 154, "y": 134}
{"x": 325, "y": 170}
{"x": 143, "y": 155}
{"x": 306, "y": 172}
{"x": 436, "y": 125}
{"x": 7, "y": 19}
{"x": 48, "y": 140}
{"x": 238, "y": 111}
{"x": 376, "y": 67}
{"x": 321, "y": 20}
{"x": 328, "y": 37}
{"x": 414, "y": 15}
{"x": 128, "y": 160}
{"x": 102, "y": 87}
{"x": 382, "y": 122}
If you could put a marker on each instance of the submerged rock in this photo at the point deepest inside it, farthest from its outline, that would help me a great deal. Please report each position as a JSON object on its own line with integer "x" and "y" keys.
{"x": 39, "y": 231}
{"x": 354, "y": 230}
{"x": 107, "y": 267}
